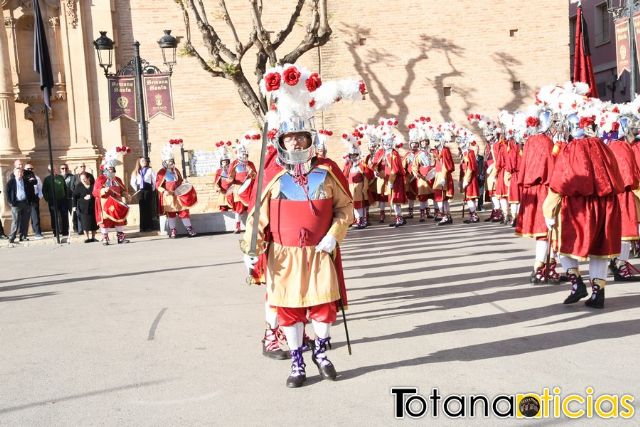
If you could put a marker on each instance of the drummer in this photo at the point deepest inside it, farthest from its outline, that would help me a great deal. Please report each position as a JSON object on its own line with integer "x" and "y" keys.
{"x": 221, "y": 178}
{"x": 168, "y": 180}
{"x": 110, "y": 193}
{"x": 241, "y": 173}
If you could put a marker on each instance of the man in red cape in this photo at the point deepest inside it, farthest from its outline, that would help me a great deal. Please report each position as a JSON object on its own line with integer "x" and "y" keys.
{"x": 241, "y": 172}
{"x": 469, "y": 180}
{"x": 168, "y": 180}
{"x": 443, "y": 185}
{"x": 583, "y": 203}
{"x": 111, "y": 210}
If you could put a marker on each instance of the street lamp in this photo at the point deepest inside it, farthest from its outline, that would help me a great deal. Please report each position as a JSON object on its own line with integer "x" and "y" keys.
{"x": 137, "y": 67}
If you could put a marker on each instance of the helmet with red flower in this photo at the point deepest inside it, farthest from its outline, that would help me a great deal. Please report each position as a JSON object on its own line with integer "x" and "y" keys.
{"x": 242, "y": 144}
{"x": 388, "y": 135}
{"x": 321, "y": 142}
{"x": 295, "y": 95}
{"x": 352, "y": 142}
{"x": 111, "y": 160}
{"x": 222, "y": 152}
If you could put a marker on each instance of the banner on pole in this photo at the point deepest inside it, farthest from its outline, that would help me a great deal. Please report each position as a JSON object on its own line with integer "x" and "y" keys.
{"x": 122, "y": 98}
{"x": 158, "y": 98}
{"x": 623, "y": 47}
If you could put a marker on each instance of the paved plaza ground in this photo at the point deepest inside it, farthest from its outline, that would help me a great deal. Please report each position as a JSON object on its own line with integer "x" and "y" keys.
{"x": 161, "y": 332}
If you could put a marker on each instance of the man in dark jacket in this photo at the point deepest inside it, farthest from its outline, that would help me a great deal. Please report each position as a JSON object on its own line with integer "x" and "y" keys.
{"x": 20, "y": 194}
{"x": 58, "y": 204}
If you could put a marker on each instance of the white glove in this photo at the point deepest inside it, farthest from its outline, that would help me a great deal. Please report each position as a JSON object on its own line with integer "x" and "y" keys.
{"x": 442, "y": 183}
{"x": 250, "y": 262}
{"x": 465, "y": 185}
{"x": 490, "y": 169}
{"x": 550, "y": 222}
{"x": 327, "y": 244}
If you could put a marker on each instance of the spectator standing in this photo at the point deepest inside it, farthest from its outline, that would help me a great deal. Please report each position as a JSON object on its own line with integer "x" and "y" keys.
{"x": 85, "y": 207}
{"x": 58, "y": 205}
{"x": 143, "y": 181}
{"x": 69, "y": 181}
{"x": 35, "y": 204}
{"x": 76, "y": 182}
{"x": 20, "y": 193}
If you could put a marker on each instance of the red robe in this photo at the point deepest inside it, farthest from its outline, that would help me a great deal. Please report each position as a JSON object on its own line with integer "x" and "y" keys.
{"x": 391, "y": 166}
{"x": 587, "y": 177}
{"x": 512, "y": 165}
{"x": 535, "y": 169}
{"x": 500, "y": 163}
{"x": 411, "y": 181}
{"x": 358, "y": 182}
{"x": 444, "y": 166}
{"x": 225, "y": 201}
{"x": 469, "y": 168}
{"x": 117, "y": 190}
{"x": 630, "y": 178}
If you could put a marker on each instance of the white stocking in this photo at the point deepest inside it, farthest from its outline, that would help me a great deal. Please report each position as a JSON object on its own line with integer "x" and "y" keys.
{"x": 568, "y": 263}
{"x": 358, "y": 213}
{"x": 172, "y": 222}
{"x": 598, "y": 268}
{"x": 294, "y": 334}
{"x": 496, "y": 203}
{"x": 186, "y": 222}
{"x": 541, "y": 251}
{"x": 423, "y": 205}
{"x": 321, "y": 329}
{"x": 120, "y": 228}
{"x": 270, "y": 315}
{"x": 471, "y": 204}
{"x": 504, "y": 206}
{"x": 446, "y": 207}
{"x": 514, "y": 209}
{"x": 625, "y": 251}
{"x": 440, "y": 208}
{"x": 382, "y": 206}
{"x": 237, "y": 216}
{"x": 411, "y": 204}
{"x": 397, "y": 209}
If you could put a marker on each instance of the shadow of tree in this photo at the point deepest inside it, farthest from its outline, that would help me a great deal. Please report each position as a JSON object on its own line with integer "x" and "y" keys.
{"x": 379, "y": 93}
{"x": 508, "y": 62}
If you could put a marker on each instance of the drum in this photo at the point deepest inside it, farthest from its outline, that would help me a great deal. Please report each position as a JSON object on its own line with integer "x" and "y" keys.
{"x": 186, "y": 194}
{"x": 244, "y": 191}
{"x": 116, "y": 209}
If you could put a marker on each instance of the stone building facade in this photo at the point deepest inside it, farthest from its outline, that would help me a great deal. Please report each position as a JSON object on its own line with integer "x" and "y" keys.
{"x": 418, "y": 57}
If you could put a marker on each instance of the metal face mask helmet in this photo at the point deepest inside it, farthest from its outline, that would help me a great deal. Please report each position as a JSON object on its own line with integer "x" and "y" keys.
{"x": 424, "y": 144}
{"x": 292, "y": 158}
{"x": 546, "y": 120}
{"x": 575, "y": 130}
{"x": 627, "y": 124}
{"x": 387, "y": 143}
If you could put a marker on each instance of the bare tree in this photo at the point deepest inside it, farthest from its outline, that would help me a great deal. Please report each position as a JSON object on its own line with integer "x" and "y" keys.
{"x": 221, "y": 60}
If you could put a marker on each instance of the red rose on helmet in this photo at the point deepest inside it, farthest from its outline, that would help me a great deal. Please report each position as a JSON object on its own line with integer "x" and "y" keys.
{"x": 272, "y": 81}
{"x": 291, "y": 76}
{"x": 533, "y": 122}
{"x": 313, "y": 82}
{"x": 362, "y": 87}
{"x": 586, "y": 122}
{"x": 312, "y": 102}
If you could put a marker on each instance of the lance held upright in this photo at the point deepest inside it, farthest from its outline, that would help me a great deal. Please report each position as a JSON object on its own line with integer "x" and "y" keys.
{"x": 304, "y": 211}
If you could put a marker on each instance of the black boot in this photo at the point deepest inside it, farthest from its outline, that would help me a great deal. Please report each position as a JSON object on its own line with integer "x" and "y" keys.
{"x": 271, "y": 345}
{"x": 319, "y": 357}
{"x": 298, "y": 375}
{"x": 578, "y": 289}
{"x": 624, "y": 273}
{"x": 537, "y": 275}
{"x": 597, "y": 295}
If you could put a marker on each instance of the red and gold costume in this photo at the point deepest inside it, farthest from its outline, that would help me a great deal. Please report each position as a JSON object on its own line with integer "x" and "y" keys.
{"x": 359, "y": 177}
{"x": 103, "y": 189}
{"x": 512, "y": 165}
{"x": 444, "y": 172}
{"x": 410, "y": 179}
{"x": 533, "y": 179}
{"x": 239, "y": 172}
{"x": 222, "y": 184}
{"x": 292, "y": 223}
{"x": 469, "y": 175}
{"x": 583, "y": 190}
{"x": 629, "y": 203}
{"x": 373, "y": 183}
{"x": 167, "y": 181}
{"x": 391, "y": 177}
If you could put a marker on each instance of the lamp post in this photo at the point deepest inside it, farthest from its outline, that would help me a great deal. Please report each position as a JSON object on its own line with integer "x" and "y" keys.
{"x": 626, "y": 9}
{"x": 137, "y": 67}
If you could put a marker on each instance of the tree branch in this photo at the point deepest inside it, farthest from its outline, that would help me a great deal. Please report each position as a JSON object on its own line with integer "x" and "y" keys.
{"x": 282, "y": 35}
{"x": 262, "y": 36}
{"x": 318, "y": 33}
{"x": 227, "y": 19}
{"x": 211, "y": 38}
{"x": 191, "y": 51}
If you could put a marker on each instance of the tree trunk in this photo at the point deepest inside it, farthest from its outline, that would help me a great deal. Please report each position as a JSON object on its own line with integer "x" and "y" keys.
{"x": 249, "y": 97}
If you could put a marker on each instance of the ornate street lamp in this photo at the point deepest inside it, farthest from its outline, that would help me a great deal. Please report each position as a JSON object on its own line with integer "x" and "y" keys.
{"x": 104, "y": 48}
{"x": 137, "y": 67}
{"x": 169, "y": 45}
